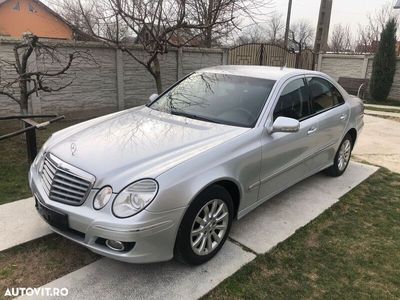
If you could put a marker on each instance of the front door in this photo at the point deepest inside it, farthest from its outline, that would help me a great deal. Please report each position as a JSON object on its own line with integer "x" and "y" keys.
{"x": 287, "y": 157}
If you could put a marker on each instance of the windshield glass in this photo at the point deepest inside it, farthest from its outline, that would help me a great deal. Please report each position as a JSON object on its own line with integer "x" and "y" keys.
{"x": 219, "y": 98}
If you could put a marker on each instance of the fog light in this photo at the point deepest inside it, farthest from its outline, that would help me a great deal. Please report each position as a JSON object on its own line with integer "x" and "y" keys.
{"x": 115, "y": 245}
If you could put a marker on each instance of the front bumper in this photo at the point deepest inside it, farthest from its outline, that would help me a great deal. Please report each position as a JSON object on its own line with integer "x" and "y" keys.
{"x": 151, "y": 234}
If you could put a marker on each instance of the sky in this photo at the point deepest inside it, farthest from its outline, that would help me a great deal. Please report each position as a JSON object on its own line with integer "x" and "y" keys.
{"x": 346, "y": 12}
{"x": 351, "y": 12}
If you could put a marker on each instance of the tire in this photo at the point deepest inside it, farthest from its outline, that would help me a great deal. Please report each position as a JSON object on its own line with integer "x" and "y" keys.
{"x": 339, "y": 166}
{"x": 213, "y": 232}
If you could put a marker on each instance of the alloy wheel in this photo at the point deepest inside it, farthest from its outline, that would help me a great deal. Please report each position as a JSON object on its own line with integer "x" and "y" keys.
{"x": 209, "y": 227}
{"x": 344, "y": 155}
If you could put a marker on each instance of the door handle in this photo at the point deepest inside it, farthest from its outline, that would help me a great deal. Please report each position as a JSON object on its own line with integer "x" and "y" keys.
{"x": 343, "y": 117}
{"x": 312, "y": 130}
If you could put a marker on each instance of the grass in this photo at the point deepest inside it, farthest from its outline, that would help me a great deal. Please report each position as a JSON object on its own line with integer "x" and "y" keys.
{"x": 14, "y": 165}
{"x": 351, "y": 251}
{"x": 41, "y": 261}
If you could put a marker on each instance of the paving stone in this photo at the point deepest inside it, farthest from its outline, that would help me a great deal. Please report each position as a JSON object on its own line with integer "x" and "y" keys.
{"x": 109, "y": 279}
{"x": 20, "y": 223}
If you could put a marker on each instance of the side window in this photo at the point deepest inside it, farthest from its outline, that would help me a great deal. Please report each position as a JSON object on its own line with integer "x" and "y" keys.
{"x": 16, "y": 6}
{"x": 31, "y": 8}
{"x": 337, "y": 95}
{"x": 293, "y": 102}
{"x": 324, "y": 95}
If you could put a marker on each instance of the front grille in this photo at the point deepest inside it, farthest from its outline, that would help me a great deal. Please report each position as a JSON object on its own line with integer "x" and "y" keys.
{"x": 65, "y": 183}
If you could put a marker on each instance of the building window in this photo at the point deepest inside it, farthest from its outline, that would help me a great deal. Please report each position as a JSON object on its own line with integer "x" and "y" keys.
{"x": 16, "y": 6}
{"x": 31, "y": 8}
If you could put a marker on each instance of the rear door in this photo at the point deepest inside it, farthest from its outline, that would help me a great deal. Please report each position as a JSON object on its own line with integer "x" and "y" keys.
{"x": 332, "y": 112}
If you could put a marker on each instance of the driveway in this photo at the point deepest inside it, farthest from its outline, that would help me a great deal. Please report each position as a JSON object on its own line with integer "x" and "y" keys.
{"x": 379, "y": 143}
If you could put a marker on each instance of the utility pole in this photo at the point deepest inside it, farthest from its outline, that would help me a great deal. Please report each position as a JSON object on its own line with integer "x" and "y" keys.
{"x": 286, "y": 41}
{"x": 324, "y": 21}
{"x": 289, "y": 12}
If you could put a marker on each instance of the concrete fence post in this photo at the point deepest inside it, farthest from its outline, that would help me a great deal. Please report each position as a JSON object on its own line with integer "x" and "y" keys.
{"x": 120, "y": 79}
{"x": 179, "y": 63}
{"x": 320, "y": 58}
{"x": 364, "y": 69}
{"x": 225, "y": 53}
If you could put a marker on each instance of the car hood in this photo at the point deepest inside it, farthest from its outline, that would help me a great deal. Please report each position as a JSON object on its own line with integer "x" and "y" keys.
{"x": 137, "y": 143}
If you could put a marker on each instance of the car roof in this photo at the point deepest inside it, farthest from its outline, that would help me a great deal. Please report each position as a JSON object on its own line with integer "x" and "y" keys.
{"x": 271, "y": 73}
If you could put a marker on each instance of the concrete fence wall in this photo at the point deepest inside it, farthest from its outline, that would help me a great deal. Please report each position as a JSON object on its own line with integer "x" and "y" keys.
{"x": 115, "y": 81}
{"x": 356, "y": 66}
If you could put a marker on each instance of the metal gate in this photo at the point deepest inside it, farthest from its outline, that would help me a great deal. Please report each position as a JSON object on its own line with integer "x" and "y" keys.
{"x": 270, "y": 55}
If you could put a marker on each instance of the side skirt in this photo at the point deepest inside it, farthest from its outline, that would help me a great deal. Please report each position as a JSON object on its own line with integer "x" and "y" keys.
{"x": 250, "y": 208}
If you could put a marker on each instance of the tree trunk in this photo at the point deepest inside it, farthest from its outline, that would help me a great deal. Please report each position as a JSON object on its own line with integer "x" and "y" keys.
{"x": 24, "y": 98}
{"x": 156, "y": 72}
{"x": 208, "y": 38}
{"x": 23, "y": 105}
{"x": 209, "y": 29}
{"x": 157, "y": 78}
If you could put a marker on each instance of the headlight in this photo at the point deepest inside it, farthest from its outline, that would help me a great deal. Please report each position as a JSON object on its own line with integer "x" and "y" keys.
{"x": 102, "y": 197}
{"x": 135, "y": 198}
{"x": 39, "y": 160}
{"x": 40, "y": 156}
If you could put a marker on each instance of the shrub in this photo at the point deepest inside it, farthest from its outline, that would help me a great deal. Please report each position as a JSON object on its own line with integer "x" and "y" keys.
{"x": 384, "y": 65}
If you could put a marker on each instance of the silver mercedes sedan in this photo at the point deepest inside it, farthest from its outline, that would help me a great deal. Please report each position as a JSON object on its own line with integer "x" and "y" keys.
{"x": 168, "y": 179}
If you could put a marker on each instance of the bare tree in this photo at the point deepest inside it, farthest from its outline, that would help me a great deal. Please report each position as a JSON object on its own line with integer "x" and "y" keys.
{"x": 151, "y": 23}
{"x": 94, "y": 17}
{"x": 275, "y": 29}
{"x": 271, "y": 33}
{"x": 251, "y": 34}
{"x": 378, "y": 19}
{"x": 341, "y": 40}
{"x": 221, "y": 17}
{"x": 158, "y": 24}
{"x": 366, "y": 40}
{"x": 70, "y": 11}
{"x": 20, "y": 78}
{"x": 368, "y": 35}
{"x": 301, "y": 35}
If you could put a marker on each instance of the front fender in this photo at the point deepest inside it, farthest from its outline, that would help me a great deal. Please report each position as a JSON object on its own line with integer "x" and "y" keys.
{"x": 237, "y": 161}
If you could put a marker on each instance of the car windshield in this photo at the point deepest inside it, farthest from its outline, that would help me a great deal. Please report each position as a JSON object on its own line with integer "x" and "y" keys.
{"x": 218, "y": 98}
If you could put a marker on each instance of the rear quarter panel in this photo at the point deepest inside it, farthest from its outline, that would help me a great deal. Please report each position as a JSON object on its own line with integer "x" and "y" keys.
{"x": 356, "y": 113}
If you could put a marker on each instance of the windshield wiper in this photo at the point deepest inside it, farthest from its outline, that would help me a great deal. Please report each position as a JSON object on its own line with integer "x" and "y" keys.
{"x": 194, "y": 116}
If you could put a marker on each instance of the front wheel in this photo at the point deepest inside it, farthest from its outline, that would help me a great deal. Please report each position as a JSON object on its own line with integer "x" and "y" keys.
{"x": 205, "y": 226}
{"x": 342, "y": 158}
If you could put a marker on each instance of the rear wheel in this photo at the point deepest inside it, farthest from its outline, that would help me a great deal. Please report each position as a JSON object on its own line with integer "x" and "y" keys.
{"x": 342, "y": 158}
{"x": 205, "y": 226}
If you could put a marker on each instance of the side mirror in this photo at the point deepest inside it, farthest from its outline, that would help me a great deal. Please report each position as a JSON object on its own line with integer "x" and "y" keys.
{"x": 152, "y": 98}
{"x": 283, "y": 124}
